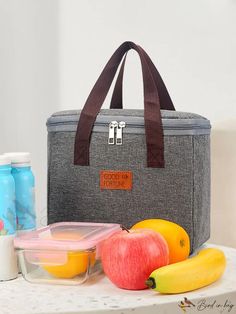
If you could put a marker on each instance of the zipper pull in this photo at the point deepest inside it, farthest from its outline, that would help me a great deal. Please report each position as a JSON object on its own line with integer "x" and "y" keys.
{"x": 119, "y": 132}
{"x": 112, "y": 126}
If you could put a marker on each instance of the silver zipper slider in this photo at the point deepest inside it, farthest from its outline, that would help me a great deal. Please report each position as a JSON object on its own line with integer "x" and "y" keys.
{"x": 119, "y": 133}
{"x": 112, "y": 126}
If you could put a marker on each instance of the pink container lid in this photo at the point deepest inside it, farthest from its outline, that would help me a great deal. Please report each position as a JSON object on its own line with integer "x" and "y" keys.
{"x": 66, "y": 236}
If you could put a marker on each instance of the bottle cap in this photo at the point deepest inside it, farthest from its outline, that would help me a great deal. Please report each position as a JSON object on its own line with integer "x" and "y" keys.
{"x": 19, "y": 159}
{"x": 4, "y": 160}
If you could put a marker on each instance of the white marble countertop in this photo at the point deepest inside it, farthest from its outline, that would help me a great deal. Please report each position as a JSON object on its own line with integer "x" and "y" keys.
{"x": 100, "y": 296}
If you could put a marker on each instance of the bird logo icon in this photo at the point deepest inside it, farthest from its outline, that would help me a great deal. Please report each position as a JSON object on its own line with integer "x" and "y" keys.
{"x": 186, "y": 303}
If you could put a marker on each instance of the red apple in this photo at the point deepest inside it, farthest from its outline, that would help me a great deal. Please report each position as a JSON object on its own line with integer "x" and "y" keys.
{"x": 128, "y": 258}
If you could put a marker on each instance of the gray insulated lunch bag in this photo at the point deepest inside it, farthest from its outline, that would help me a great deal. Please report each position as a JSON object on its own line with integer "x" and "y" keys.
{"x": 123, "y": 166}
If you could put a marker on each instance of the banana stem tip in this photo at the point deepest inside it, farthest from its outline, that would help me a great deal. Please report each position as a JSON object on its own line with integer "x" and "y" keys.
{"x": 150, "y": 282}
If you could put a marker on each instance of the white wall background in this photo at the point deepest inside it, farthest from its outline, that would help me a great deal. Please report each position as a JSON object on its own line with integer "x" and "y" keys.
{"x": 51, "y": 53}
{"x": 29, "y": 82}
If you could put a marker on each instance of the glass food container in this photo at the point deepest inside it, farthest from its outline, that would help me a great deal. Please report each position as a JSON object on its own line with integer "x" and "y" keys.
{"x": 62, "y": 253}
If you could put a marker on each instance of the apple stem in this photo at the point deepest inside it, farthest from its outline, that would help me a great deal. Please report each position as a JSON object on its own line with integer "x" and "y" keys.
{"x": 124, "y": 228}
{"x": 150, "y": 282}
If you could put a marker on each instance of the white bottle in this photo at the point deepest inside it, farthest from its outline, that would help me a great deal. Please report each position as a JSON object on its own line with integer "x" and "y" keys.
{"x": 8, "y": 257}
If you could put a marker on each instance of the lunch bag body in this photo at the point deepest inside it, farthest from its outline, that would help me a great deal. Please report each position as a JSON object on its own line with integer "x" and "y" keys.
{"x": 114, "y": 182}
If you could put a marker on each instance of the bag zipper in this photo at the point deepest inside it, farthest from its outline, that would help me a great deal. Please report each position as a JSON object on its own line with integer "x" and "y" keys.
{"x": 181, "y": 126}
{"x": 119, "y": 132}
{"x": 116, "y": 129}
{"x": 112, "y": 128}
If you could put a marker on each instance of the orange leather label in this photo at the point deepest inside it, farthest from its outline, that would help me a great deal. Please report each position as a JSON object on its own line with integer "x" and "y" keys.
{"x": 115, "y": 180}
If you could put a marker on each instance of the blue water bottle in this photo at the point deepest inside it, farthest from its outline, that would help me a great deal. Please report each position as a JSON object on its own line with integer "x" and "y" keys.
{"x": 25, "y": 199}
{"x": 8, "y": 259}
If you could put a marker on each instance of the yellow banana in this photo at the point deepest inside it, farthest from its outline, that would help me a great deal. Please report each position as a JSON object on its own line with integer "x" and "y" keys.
{"x": 194, "y": 273}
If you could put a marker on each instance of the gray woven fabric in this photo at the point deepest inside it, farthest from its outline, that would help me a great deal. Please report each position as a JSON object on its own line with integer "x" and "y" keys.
{"x": 180, "y": 192}
{"x": 165, "y": 114}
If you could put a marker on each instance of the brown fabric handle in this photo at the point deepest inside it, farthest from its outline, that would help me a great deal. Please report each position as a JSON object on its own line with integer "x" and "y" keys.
{"x": 117, "y": 96}
{"x": 152, "y": 114}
